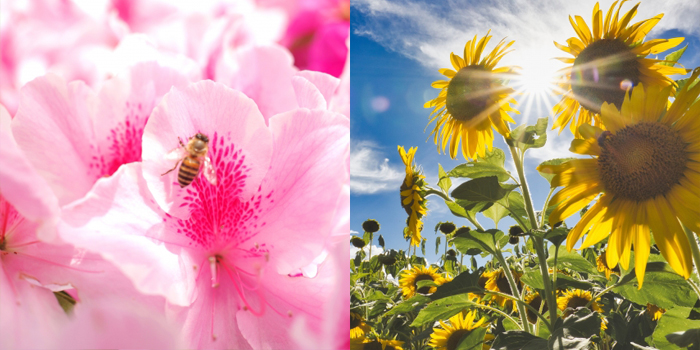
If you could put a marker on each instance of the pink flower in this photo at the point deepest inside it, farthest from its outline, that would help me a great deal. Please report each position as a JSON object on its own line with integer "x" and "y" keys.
{"x": 40, "y": 36}
{"x": 73, "y": 136}
{"x": 317, "y": 34}
{"x": 31, "y": 270}
{"x": 271, "y": 212}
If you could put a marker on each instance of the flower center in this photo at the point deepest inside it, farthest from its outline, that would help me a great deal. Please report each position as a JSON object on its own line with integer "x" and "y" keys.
{"x": 469, "y": 92}
{"x": 503, "y": 285}
{"x": 355, "y": 322}
{"x": 641, "y": 161}
{"x": 576, "y": 302}
{"x": 426, "y": 289}
{"x": 535, "y": 303}
{"x": 603, "y": 72}
{"x": 455, "y": 337}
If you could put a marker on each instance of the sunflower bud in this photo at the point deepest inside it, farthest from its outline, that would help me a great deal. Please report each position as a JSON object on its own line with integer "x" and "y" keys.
{"x": 370, "y": 225}
{"x": 447, "y": 227}
{"x": 357, "y": 242}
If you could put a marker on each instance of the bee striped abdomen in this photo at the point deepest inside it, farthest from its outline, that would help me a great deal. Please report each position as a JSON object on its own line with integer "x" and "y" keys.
{"x": 188, "y": 171}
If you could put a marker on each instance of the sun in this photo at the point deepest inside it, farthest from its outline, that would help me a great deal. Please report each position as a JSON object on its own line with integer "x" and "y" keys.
{"x": 536, "y": 78}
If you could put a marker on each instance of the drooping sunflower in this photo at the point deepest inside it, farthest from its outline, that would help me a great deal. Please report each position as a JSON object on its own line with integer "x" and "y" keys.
{"x": 655, "y": 312}
{"x": 410, "y": 278}
{"x": 647, "y": 167}
{"x": 448, "y": 337}
{"x": 602, "y": 265}
{"x": 413, "y": 195}
{"x": 358, "y": 327}
{"x": 377, "y": 344}
{"x": 579, "y": 298}
{"x": 609, "y": 58}
{"x": 473, "y": 101}
{"x": 498, "y": 282}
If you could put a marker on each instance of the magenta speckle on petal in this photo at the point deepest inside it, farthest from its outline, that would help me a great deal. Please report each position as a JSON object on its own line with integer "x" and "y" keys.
{"x": 219, "y": 214}
{"x": 125, "y": 140}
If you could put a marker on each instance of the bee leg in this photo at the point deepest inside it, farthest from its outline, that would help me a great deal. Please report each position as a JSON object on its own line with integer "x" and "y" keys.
{"x": 178, "y": 163}
{"x": 181, "y": 144}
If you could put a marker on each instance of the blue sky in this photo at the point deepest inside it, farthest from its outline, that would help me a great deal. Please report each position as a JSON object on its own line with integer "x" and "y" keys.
{"x": 397, "y": 46}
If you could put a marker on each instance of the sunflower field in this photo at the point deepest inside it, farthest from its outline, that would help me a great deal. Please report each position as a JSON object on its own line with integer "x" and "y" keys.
{"x": 608, "y": 261}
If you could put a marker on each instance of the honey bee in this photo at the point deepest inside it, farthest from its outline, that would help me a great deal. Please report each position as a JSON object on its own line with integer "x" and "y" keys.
{"x": 193, "y": 159}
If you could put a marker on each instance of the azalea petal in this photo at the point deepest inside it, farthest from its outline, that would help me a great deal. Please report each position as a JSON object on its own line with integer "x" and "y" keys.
{"x": 321, "y": 84}
{"x": 22, "y": 186}
{"x": 308, "y": 173}
{"x": 113, "y": 221}
{"x": 264, "y": 74}
{"x": 212, "y": 109}
{"x": 54, "y": 128}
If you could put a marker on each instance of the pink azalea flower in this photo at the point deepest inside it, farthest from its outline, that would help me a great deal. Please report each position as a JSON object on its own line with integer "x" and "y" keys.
{"x": 317, "y": 34}
{"x": 271, "y": 210}
{"x": 31, "y": 270}
{"x": 64, "y": 40}
{"x": 73, "y": 136}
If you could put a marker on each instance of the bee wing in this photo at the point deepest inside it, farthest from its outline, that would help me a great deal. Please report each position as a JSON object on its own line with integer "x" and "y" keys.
{"x": 209, "y": 171}
{"x": 176, "y": 154}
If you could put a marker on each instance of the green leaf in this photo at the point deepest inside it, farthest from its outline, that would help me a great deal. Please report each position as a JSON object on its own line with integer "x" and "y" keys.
{"x": 465, "y": 282}
{"x": 673, "y": 57}
{"x": 555, "y": 161}
{"x": 489, "y": 241}
{"x": 422, "y": 246}
{"x": 472, "y": 340}
{"x": 513, "y": 201}
{"x": 517, "y": 340}
{"x": 674, "y": 320}
{"x": 557, "y": 235}
{"x": 575, "y": 331}
{"x": 442, "y": 309}
{"x": 484, "y": 189}
{"x": 381, "y": 241}
{"x": 531, "y": 136}
{"x": 533, "y": 278}
{"x": 665, "y": 289}
{"x": 685, "y": 339}
{"x": 444, "y": 180}
{"x": 573, "y": 261}
{"x": 437, "y": 244}
{"x": 425, "y": 283}
{"x": 490, "y": 165}
{"x": 66, "y": 301}
{"x": 409, "y": 305}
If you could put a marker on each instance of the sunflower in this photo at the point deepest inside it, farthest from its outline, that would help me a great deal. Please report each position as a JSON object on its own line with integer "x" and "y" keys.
{"x": 603, "y": 267}
{"x": 534, "y": 300}
{"x": 473, "y": 100}
{"x": 608, "y": 60}
{"x": 461, "y": 324}
{"x": 579, "y": 298}
{"x": 647, "y": 167}
{"x": 413, "y": 195}
{"x": 409, "y": 280}
{"x": 499, "y": 283}
{"x": 655, "y": 312}
{"x": 377, "y": 344}
{"x": 358, "y": 327}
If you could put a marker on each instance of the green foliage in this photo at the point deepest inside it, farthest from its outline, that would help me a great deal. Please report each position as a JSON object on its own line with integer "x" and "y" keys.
{"x": 483, "y": 189}
{"x": 444, "y": 181}
{"x": 492, "y": 164}
{"x": 518, "y": 340}
{"x": 530, "y": 136}
{"x": 671, "y": 59}
{"x": 674, "y": 320}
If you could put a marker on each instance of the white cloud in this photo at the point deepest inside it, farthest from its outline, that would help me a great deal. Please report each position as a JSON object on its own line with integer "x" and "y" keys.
{"x": 370, "y": 171}
{"x": 429, "y": 31}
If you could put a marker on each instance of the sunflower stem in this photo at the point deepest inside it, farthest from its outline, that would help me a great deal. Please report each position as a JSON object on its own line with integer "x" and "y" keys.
{"x": 514, "y": 289}
{"x": 544, "y": 208}
{"x": 538, "y": 241}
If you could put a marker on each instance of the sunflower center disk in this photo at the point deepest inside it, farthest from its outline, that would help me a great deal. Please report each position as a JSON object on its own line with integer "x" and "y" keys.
{"x": 355, "y": 322}
{"x": 423, "y": 290}
{"x": 641, "y": 161}
{"x": 603, "y": 72}
{"x": 576, "y": 302}
{"x": 469, "y": 93}
{"x": 455, "y": 337}
{"x": 503, "y": 285}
